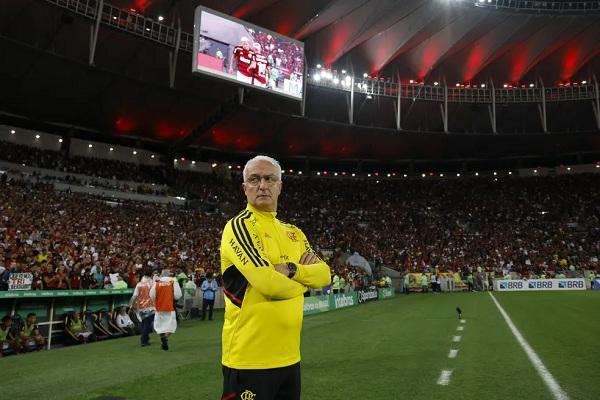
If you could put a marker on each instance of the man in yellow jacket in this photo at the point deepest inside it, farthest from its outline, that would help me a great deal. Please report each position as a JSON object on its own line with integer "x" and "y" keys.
{"x": 267, "y": 265}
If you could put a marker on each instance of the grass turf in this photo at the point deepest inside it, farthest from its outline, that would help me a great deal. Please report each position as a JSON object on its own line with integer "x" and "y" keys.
{"x": 391, "y": 349}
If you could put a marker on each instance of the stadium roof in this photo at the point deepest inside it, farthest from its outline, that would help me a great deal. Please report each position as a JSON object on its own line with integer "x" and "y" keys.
{"x": 422, "y": 39}
{"x": 45, "y": 73}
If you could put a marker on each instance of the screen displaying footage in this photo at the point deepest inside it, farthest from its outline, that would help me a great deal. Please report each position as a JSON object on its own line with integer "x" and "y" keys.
{"x": 238, "y": 51}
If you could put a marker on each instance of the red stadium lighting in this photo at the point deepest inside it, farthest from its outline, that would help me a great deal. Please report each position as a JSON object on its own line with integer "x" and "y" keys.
{"x": 393, "y": 174}
{"x": 182, "y": 158}
{"x": 324, "y": 172}
{"x": 291, "y": 171}
{"x": 431, "y": 174}
{"x": 343, "y": 173}
{"x": 376, "y": 174}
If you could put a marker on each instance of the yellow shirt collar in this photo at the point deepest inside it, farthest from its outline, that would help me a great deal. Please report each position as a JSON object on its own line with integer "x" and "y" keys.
{"x": 261, "y": 214}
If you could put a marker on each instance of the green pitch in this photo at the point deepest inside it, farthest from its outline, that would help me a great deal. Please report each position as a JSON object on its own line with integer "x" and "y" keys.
{"x": 392, "y": 349}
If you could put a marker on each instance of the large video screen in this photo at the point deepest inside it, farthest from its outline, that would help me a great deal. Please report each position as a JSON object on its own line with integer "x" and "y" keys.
{"x": 238, "y": 51}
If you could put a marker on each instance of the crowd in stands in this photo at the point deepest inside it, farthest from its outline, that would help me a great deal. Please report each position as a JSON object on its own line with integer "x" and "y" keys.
{"x": 540, "y": 225}
{"x": 92, "y": 167}
{"x": 282, "y": 54}
{"x": 73, "y": 241}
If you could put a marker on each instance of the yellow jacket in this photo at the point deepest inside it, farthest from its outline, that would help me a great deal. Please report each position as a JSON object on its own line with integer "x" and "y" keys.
{"x": 263, "y": 308}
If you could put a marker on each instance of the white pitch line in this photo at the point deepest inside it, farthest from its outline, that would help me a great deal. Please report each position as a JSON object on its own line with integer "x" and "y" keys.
{"x": 460, "y": 328}
{"x": 444, "y": 378}
{"x": 463, "y": 321}
{"x": 453, "y": 353}
{"x": 557, "y": 392}
{"x": 456, "y": 339}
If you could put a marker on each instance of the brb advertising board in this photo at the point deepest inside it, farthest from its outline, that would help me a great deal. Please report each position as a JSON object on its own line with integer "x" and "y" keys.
{"x": 238, "y": 51}
{"x": 516, "y": 285}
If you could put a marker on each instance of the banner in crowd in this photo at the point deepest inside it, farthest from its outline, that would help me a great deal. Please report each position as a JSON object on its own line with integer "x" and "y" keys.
{"x": 414, "y": 279}
{"x": 20, "y": 281}
{"x": 515, "y": 285}
{"x": 316, "y": 304}
{"x": 63, "y": 293}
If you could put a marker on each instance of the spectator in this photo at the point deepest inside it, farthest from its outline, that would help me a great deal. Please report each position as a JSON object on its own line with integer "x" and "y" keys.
{"x": 8, "y": 344}
{"x": 209, "y": 289}
{"x": 30, "y": 333}
{"x": 124, "y": 322}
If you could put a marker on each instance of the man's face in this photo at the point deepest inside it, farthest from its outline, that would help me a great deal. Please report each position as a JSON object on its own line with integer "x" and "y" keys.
{"x": 246, "y": 44}
{"x": 262, "y": 186}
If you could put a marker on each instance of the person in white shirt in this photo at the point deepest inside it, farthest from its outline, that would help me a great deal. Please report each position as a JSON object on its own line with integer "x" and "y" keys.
{"x": 124, "y": 322}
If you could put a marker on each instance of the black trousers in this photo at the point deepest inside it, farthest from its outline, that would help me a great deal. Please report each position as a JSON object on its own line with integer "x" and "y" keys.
{"x": 262, "y": 384}
{"x": 146, "y": 328}
{"x": 207, "y": 304}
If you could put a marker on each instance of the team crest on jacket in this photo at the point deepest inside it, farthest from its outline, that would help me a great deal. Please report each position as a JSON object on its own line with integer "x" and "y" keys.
{"x": 292, "y": 236}
{"x": 247, "y": 395}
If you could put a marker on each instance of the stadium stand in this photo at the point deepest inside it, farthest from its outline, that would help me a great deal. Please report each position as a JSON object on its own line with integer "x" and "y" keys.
{"x": 525, "y": 226}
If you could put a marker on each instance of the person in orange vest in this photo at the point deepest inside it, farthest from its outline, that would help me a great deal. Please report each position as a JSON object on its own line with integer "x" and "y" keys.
{"x": 144, "y": 306}
{"x": 165, "y": 292}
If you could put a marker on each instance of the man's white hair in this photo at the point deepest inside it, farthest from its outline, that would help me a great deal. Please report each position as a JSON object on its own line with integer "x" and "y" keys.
{"x": 262, "y": 158}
